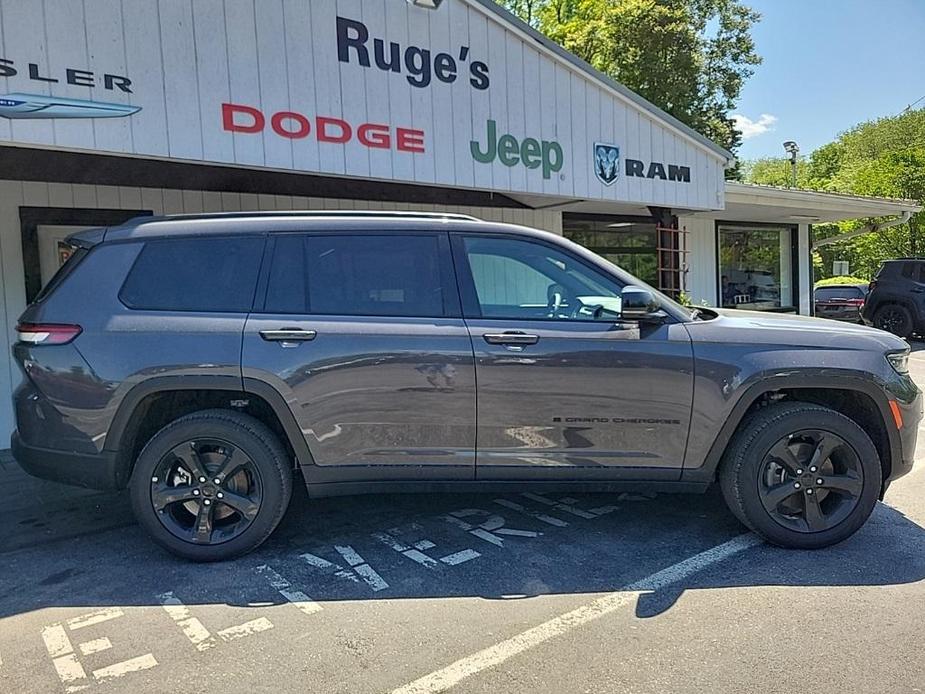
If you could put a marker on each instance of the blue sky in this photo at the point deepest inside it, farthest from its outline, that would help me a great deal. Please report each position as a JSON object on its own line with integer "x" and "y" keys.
{"x": 829, "y": 64}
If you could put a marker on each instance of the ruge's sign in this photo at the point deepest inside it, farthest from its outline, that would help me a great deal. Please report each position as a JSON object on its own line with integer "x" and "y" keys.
{"x": 455, "y": 96}
{"x": 419, "y": 65}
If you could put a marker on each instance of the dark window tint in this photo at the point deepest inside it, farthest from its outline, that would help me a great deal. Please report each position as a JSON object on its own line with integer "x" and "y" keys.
{"x": 213, "y": 274}
{"x": 357, "y": 275}
{"x": 832, "y": 293}
{"x": 908, "y": 269}
{"x": 73, "y": 260}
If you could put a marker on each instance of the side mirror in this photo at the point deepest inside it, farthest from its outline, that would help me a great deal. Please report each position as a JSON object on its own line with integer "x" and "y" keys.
{"x": 638, "y": 303}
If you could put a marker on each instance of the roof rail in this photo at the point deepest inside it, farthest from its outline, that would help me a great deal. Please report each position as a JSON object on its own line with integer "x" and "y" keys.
{"x": 399, "y": 214}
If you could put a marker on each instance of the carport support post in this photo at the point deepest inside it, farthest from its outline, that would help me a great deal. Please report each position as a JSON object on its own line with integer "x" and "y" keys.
{"x": 805, "y": 267}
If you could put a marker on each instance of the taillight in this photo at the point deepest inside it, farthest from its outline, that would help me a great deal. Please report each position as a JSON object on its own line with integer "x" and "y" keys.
{"x": 47, "y": 333}
{"x": 855, "y": 302}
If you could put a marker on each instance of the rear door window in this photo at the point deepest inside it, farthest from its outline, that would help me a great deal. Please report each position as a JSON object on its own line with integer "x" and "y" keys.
{"x": 195, "y": 274}
{"x": 361, "y": 275}
{"x": 832, "y": 293}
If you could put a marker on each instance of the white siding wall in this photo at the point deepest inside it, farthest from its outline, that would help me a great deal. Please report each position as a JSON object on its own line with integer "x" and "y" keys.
{"x": 185, "y": 59}
{"x": 701, "y": 261}
{"x": 16, "y": 194}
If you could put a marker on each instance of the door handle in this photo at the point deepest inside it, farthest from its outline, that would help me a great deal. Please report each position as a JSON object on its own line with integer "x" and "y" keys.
{"x": 512, "y": 337}
{"x": 288, "y": 335}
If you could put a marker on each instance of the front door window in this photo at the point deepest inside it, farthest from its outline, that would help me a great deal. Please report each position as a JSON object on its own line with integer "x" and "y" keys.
{"x": 518, "y": 279}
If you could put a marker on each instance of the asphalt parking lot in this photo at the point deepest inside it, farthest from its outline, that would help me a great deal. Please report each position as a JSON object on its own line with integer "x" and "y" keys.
{"x": 477, "y": 593}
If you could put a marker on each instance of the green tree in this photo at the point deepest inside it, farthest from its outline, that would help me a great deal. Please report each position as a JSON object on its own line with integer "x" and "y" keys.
{"x": 884, "y": 158}
{"x": 775, "y": 171}
{"x": 688, "y": 57}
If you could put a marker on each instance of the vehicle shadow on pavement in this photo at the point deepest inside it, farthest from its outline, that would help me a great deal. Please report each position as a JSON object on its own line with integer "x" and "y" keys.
{"x": 499, "y": 548}
{"x": 888, "y": 550}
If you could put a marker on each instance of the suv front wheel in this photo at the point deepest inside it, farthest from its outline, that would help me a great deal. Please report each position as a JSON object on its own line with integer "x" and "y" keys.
{"x": 211, "y": 485}
{"x": 801, "y": 475}
{"x": 894, "y": 319}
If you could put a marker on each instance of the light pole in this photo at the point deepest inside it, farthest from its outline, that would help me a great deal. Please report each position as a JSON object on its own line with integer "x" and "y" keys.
{"x": 793, "y": 150}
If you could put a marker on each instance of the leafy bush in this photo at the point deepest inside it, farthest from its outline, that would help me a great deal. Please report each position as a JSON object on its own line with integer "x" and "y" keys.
{"x": 844, "y": 279}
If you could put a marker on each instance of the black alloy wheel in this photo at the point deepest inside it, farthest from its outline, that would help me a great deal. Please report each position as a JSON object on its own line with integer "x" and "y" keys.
{"x": 801, "y": 475}
{"x": 894, "y": 319}
{"x": 811, "y": 480}
{"x": 206, "y": 491}
{"x": 212, "y": 485}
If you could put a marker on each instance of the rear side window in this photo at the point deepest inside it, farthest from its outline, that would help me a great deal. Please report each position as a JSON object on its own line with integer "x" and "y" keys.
{"x": 357, "y": 275}
{"x": 831, "y": 293}
{"x": 73, "y": 260}
{"x": 202, "y": 274}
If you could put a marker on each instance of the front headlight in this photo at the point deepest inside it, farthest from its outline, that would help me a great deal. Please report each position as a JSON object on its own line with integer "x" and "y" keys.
{"x": 899, "y": 361}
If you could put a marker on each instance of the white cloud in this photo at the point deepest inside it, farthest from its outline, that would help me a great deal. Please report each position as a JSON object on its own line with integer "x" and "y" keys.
{"x": 753, "y": 128}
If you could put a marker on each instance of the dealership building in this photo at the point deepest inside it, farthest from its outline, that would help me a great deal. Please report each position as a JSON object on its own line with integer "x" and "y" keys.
{"x": 115, "y": 108}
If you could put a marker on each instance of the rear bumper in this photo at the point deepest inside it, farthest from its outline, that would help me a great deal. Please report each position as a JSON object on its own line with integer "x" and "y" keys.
{"x": 97, "y": 471}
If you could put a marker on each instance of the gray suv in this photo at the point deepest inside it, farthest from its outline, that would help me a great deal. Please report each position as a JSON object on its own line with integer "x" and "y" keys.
{"x": 201, "y": 361}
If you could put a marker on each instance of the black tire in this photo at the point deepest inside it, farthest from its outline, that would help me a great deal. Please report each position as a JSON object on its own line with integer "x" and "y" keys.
{"x": 212, "y": 435}
{"x": 752, "y": 477}
{"x": 894, "y": 318}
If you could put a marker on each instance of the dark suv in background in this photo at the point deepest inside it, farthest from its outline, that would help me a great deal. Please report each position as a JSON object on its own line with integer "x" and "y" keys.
{"x": 896, "y": 298}
{"x": 840, "y": 302}
{"x": 201, "y": 361}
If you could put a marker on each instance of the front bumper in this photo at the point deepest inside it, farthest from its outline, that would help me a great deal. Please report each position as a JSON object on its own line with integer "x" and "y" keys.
{"x": 904, "y": 458}
{"x": 96, "y": 471}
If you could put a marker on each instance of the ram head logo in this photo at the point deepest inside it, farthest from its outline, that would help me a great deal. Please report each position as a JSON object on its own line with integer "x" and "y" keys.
{"x": 606, "y": 162}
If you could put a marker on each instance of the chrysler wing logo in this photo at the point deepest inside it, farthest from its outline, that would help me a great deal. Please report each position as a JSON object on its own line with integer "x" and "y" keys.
{"x": 606, "y": 160}
{"x": 38, "y": 106}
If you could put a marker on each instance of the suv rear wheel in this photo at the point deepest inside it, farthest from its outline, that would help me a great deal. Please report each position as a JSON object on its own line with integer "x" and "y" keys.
{"x": 801, "y": 475}
{"x": 895, "y": 319}
{"x": 211, "y": 485}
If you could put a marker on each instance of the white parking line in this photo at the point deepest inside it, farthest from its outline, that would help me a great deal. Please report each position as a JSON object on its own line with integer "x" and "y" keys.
{"x": 513, "y": 505}
{"x": 87, "y": 620}
{"x": 56, "y": 641}
{"x": 412, "y": 554}
{"x": 194, "y": 630}
{"x": 284, "y": 588}
{"x": 95, "y": 646}
{"x": 453, "y": 674}
{"x": 255, "y": 626}
{"x": 142, "y": 662}
{"x": 560, "y": 505}
{"x": 460, "y": 557}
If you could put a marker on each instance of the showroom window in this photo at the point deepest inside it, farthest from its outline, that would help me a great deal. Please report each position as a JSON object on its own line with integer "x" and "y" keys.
{"x": 756, "y": 267}
{"x": 628, "y": 242}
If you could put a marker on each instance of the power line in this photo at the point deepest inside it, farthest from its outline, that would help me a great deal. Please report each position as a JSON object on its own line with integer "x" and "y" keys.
{"x": 909, "y": 107}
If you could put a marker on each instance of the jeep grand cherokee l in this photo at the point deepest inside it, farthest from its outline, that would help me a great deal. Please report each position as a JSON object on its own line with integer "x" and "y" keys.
{"x": 202, "y": 361}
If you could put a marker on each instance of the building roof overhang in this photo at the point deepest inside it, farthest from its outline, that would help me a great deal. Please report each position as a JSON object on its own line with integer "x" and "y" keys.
{"x": 758, "y": 203}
